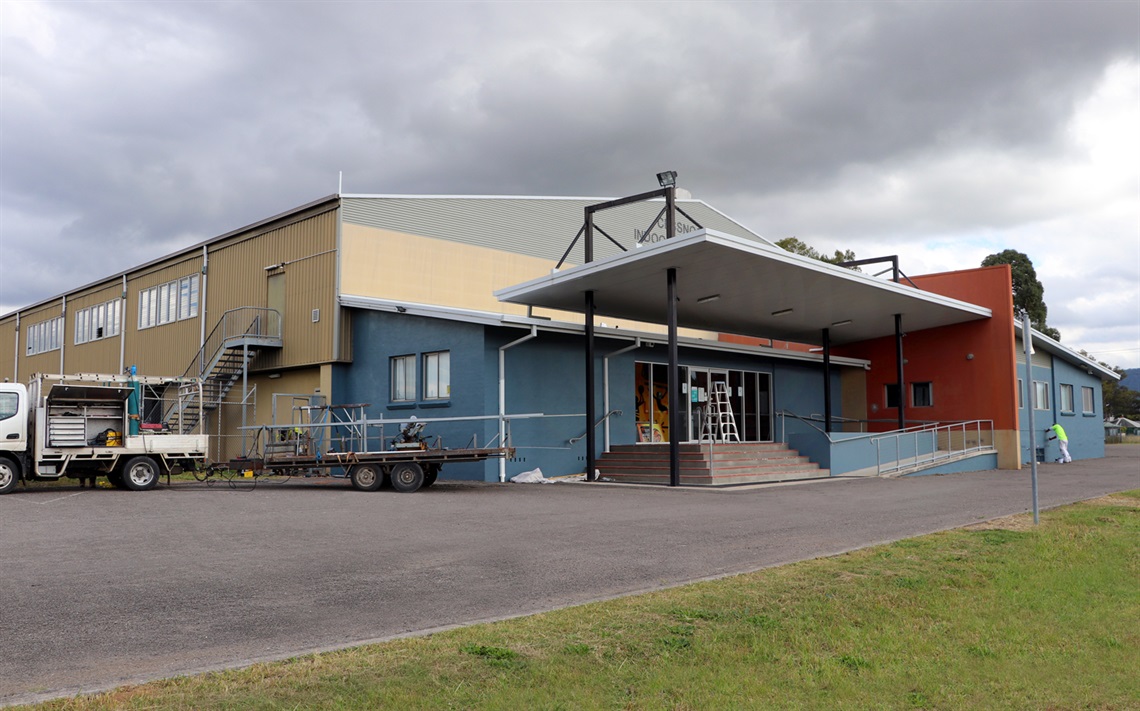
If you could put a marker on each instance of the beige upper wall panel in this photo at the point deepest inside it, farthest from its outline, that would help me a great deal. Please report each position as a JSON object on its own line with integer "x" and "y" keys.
{"x": 404, "y": 267}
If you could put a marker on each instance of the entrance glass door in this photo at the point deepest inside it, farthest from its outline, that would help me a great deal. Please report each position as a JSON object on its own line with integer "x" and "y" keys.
{"x": 702, "y": 384}
{"x": 749, "y": 396}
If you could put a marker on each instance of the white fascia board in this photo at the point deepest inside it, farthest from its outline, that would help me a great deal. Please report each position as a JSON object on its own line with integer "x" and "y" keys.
{"x": 487, "y": 318}
{"x": 1040, "y": 340}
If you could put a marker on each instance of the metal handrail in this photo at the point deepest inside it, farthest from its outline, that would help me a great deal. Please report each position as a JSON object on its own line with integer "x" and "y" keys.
{"x": 576, "y": 440}
{"x": 938, "y": 433}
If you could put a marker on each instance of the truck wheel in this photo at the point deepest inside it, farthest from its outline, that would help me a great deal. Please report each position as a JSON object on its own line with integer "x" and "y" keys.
{"x": 116, "y": 479}
{"x": 430, "y": 475}
{"x": 9, "y": 475}
{"x": 140, "y": 474}
{"x": 366, "y": 477}
{"x": 407, "y": 477}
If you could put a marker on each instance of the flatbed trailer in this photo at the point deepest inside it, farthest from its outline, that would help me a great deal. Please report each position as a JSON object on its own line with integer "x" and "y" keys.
{"x": 341, "y": 439}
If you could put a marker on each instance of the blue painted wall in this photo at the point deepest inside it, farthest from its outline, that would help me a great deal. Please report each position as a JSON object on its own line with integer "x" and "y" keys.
{"x": 1085, "y": 430}
{"x": 378, "y": 336}
{"x": 545, "y": 375}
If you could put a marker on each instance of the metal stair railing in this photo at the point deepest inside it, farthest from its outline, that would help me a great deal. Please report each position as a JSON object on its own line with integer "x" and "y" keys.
{"x": 217, "y": 363}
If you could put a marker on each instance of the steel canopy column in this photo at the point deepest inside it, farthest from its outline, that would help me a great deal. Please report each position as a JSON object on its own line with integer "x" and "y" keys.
{"x": 899, "y": 358}
{"x": 590, "y": 439}
{"x": 826, "y": 380}
{"x": 674, "y": 385}
{"x": 590, "y": 436}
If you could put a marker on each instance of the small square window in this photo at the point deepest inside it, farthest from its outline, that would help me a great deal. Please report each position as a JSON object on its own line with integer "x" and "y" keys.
{"x": 922, "y": 394}
{"x": 403, "y": 378}
{"x": 892, "y": 394}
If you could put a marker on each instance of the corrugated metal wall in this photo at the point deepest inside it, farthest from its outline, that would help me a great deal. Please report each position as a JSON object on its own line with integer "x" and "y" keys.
{"x": 11, "y": 343}
{"x": 238, "y": 277}
{"x": 98, "y": 355}
{"x": 166, "y": 349}
{"x": 537, "y": 227}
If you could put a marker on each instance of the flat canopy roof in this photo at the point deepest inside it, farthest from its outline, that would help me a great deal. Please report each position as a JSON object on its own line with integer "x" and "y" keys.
{"x": 734, "y": 285}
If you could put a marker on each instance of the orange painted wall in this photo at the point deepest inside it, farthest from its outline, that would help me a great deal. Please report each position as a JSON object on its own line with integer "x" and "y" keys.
{"x": 984, "y": 387}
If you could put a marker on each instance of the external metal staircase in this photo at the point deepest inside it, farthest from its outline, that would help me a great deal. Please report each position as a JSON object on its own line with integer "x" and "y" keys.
{"x": 224, "y": 359}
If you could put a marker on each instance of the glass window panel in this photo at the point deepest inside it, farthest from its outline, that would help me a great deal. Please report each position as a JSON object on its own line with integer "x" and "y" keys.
{"x": 922, "y": 394}
{"x": 184, "y": 298}
{"x": 445, "y": 374}
{"x": 431, "y": 370}
{"x": 1087, "y": 404}
{"x": 403, "y": 378}
{"x": 1066, "y": 398}
{"x": 193, "y": 296}
{"x": 892, "y": 394}
{"x": 9, "y": 403}
{"x": 1040, "y": 395}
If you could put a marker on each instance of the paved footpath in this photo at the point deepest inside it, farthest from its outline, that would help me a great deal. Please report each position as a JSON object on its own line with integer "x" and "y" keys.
{"x": 104, "y": 587}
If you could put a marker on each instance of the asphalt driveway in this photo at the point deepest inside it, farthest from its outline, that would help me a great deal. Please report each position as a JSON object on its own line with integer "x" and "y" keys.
{"x": 104, "y": 587}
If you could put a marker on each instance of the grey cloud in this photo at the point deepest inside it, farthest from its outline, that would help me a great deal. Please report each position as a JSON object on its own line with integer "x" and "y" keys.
{"x": 157, "y": 123}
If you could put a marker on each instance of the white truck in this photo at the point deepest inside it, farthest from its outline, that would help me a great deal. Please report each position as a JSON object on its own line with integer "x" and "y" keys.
{"x": 130, "y": 429}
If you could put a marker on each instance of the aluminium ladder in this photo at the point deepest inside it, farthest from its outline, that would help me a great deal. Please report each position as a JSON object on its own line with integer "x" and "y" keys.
{"x": 720, "y": 424}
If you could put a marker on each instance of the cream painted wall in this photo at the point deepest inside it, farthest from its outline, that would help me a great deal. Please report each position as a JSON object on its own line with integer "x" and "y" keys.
{"x": 405, "y": 267}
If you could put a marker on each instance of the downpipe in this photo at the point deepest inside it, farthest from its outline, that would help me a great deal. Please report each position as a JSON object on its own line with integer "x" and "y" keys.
{"x": 503, "y": 396}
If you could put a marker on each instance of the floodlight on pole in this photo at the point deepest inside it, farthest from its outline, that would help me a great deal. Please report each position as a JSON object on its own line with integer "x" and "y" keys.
{"x": 668, "y": 179}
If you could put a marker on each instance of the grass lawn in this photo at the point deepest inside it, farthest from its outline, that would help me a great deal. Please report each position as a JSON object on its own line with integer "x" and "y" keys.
{"x": 1000, "y": 616}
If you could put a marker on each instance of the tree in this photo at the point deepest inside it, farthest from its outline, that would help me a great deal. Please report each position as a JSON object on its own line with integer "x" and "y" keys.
{"x": 1028, "y": 293}
{"x": 795, "y": 246}
{"x": 1120, "y": 401}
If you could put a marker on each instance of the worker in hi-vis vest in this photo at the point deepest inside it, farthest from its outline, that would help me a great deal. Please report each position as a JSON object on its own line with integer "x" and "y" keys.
{"x": 1063, "y": 440}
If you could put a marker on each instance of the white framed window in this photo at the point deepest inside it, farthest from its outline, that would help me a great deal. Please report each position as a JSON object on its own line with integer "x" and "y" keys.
{"x": 403, "y": 378}
{"x": 1040, "y": 395}
{"x": 97, "y": 322}
{"x": 437, "y": 375}
{"x": 166, "y": 303}
{"x": 44, "y": 336}
{"x": 922, "y": 394}
{"x": 1066, "y": 398}
{"x": 1088, "y": 406}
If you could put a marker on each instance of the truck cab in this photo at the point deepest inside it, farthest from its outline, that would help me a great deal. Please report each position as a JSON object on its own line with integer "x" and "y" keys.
{"x": 13, "y": 433}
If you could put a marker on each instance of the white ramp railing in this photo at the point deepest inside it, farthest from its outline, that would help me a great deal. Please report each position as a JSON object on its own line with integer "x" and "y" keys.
{"x": 926, "y": 445}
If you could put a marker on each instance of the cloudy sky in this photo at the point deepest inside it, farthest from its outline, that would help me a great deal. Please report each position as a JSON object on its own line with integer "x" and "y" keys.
{"x": 940, "y": 131}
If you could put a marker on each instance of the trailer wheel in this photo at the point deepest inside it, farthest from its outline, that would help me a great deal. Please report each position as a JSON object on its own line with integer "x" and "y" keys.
{"x": 431, "y": 473}
{"x": 140, "y": 474}
{"x": 366, "y": 477}
{"x": 407, "y": 477}
{"x": 9, "y": 475}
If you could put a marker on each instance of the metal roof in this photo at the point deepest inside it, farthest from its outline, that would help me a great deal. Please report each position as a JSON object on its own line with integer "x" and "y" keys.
{"x": 733, "y": 285}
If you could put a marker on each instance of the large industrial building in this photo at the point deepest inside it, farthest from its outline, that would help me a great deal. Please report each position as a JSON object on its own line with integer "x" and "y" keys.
{"x": 448, "y": 307}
